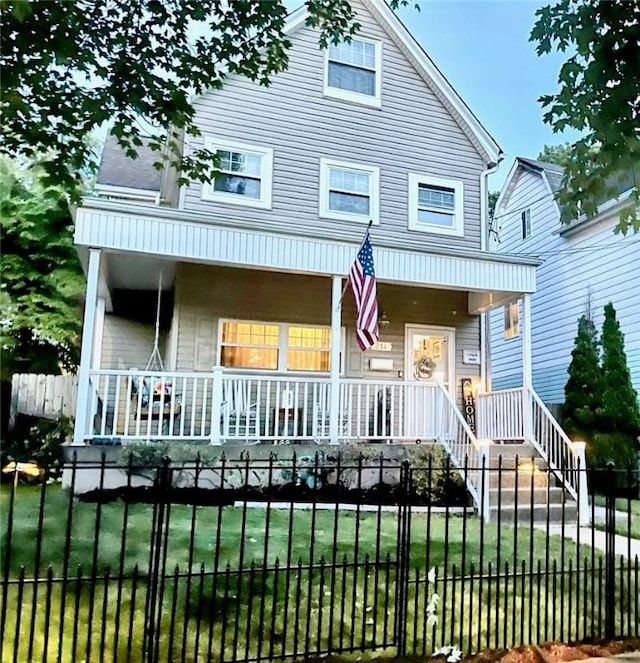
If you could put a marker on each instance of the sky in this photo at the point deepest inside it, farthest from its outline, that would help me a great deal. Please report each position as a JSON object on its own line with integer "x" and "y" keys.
{"x": 482, "y": 47}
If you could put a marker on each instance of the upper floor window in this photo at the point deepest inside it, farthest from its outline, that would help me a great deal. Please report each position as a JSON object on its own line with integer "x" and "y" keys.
{"x": 436, "y": 205}
{"x": 245, "y": 174}
{"x": 526, "y": 223}
{"x": 511, "y": 320}
{"x": 348, "y": 191}
{"x": 275, "y": 346}
{"x": 353, "y": 71}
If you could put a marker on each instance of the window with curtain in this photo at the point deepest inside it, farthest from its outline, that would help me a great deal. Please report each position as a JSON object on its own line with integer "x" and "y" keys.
{"x": 511, "y": 320}
{"x": 275, "y": 346}
{"x": 244, "y": 174}
{"x": 352, "y": 66}
{"x": 353, "y": 71}
{"x": 348, "y": 191}
{"x": 436, "y": 205}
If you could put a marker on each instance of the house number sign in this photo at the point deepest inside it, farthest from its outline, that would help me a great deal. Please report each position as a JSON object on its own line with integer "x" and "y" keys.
{"x": 469, "y": 403}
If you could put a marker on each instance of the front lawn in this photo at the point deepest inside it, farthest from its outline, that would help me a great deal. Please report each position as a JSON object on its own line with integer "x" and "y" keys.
{"x": 264, "y": 582}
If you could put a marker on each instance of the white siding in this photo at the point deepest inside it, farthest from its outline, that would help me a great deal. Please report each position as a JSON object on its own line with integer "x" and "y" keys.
{"x": 126, "y": 344}
{"x": 411, "y": 132}
{"x": 593, "y": 260}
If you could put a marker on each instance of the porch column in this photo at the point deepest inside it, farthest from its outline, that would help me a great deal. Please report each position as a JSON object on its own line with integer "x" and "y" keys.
{"x": 527, "y": 381}
{"x": 526, "y": 342}
{"x": 336, "y": 321}
{"x": 86, "y": 349}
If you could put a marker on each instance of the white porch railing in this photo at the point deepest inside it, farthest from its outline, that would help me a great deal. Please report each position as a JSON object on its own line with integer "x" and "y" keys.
{"x": 223, "y": 406}
{"x": 500, "y": 416}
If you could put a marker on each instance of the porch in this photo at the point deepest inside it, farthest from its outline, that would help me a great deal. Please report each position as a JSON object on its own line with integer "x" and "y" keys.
{"x": 223, "y": 407}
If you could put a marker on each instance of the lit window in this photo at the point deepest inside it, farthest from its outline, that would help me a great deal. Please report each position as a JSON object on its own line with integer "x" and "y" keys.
{"x": 526, "y": 223}
{"x": 276, "y": 347}
{"x": 435, "y": 205}
{"x": 511, "y": 320}
{"x": 244, "y": 175}
{"x": 348, "y": 191}
{"x": 353, "y": 71}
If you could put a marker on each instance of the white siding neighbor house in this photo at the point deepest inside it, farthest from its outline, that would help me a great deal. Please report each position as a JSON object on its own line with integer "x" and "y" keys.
{"x": 584, "y": 266}
{"x": 252, "y": 340}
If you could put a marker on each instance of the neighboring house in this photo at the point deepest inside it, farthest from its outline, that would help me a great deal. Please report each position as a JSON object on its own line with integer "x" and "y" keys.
{"x": 253, "y": 341}
{"x": 584, "y": 266}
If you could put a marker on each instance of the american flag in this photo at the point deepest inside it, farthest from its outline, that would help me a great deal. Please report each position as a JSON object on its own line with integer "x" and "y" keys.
{"x": 363, "y": 283}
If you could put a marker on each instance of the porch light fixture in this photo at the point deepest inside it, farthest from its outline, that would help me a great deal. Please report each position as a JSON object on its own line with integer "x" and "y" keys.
{"x": 383, "y": 319}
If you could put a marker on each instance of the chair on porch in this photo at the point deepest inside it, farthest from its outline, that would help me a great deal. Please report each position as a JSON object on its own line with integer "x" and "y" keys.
{"x": 238, "y": 416}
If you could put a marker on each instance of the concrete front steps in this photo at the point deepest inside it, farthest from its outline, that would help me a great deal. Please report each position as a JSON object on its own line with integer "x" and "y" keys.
{"x": 522, "y": 489}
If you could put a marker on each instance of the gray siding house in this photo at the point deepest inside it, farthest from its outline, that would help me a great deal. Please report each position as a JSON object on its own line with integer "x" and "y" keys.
{"x": 254, "y": 341}
{"x": 584, "y": 266}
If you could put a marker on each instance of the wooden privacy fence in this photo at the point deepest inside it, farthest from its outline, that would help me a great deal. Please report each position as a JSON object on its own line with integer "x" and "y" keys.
{"x": 40, "y": 395}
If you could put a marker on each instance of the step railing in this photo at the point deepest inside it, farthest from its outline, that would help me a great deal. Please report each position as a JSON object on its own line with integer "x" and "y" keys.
{"x": 464, "y": 449}
{"x": 519, "y": 415}
{"x": 566, "y": 459}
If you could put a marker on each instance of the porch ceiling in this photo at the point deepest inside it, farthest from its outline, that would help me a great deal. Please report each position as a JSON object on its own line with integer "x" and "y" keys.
{"x": 158, "y": 236}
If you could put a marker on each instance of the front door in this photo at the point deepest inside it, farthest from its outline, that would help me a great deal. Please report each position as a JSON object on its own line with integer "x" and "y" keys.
{"x": 429, "y": 358}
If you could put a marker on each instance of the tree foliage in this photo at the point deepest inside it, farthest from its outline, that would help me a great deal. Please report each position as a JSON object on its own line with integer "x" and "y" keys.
{"x": 42, "y": 279}
{"x": 558, "y": 154}
{"x": 582, "y": 391}
{"x": 619, "y": 410}
{"x": 68, "y": 67}
{"x": 599, "y": 95}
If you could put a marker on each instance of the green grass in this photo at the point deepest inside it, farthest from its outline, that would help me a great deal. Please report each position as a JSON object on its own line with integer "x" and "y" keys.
{"x": 229, "y": 605}
{"x": 629, "y": 526}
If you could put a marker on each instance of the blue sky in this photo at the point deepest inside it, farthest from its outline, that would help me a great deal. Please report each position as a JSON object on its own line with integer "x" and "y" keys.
{"x": 483, "y": 49}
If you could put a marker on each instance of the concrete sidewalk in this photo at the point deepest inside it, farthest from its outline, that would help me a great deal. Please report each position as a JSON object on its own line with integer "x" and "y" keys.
{"x": 629, "y": 657}
{"x": 597, "y": 538}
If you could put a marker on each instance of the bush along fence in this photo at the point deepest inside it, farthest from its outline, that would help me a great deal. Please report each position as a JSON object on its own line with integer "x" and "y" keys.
{"x": 251, "y": 560}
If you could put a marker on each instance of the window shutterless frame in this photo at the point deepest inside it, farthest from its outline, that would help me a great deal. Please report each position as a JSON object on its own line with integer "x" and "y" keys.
{"x": 436, "y": 205}
{"x": 349, "y": 191}
{"x": 511, "y": 320}
{"x": 289, "y": 342}
{"x": 246, "y": 174}
{"x": 353, "y": 71}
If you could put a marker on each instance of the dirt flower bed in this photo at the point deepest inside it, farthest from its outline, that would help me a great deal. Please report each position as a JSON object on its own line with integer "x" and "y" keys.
{"x": 557, "y": 652}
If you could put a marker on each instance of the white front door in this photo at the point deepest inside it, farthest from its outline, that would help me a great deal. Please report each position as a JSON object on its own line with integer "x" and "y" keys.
{"x": 430, "y": 354}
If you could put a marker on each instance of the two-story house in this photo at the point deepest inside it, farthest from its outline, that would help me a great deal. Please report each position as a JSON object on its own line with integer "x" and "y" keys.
{"x": 252, "y": 338}
{"x": 584, "y": 266}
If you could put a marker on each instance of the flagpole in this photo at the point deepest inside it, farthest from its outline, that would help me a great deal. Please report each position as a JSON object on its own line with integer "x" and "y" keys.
{"x": 346, "y": 285}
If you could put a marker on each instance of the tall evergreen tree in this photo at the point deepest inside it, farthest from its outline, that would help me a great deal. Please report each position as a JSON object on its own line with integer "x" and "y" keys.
{"x": 582, "y": 392}
{"x": 619, "y": 410}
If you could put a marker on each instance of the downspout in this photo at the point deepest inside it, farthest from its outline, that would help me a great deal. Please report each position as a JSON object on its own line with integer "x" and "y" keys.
{"x": 485, "y": 338}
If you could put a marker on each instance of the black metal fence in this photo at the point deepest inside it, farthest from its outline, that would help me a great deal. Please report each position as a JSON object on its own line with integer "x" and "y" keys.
{"x": 265, "y": 559}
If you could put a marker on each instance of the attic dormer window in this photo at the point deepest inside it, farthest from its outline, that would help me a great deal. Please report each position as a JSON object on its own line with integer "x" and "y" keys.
{"x": 353, "y": 71}
{"x": 244, "y": 174}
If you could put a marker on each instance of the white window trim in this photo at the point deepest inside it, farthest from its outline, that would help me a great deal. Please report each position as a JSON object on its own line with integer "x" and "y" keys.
{"x": 374, "y": 195}
{"x": 514, "y": 321}
{"x": 415, "y": 180}
{"x": 266, "y": 175}
{"x": 358, "y": 97}
{"x": 281, "y": 347}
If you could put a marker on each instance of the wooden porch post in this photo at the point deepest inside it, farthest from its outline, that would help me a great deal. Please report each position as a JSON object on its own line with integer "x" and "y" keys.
{"x": 86, "y": 350}
{"x": 336, "y": 321}
{"x": 527, "y": 381}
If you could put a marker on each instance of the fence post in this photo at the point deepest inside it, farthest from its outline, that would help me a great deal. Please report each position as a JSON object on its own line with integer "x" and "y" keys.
{"x": 484, "y": 484}
{"x": 216, "y": 405}
{"x": 610, "y": 554}
{"x": 157, "y": 557}
{"x": 578, "y": 449}
{"x": 402, "y": 582}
